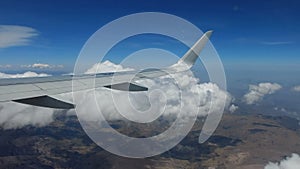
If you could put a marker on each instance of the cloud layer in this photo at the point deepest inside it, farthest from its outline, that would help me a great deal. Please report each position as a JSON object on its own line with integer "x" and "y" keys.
{"x": 202, "y": 96}
{"x": 182, "y": 91}
{"x": 14, "y": 115}
{"x": 21, "y": 75}
{"x": 257, "y": 92}
{"x": 292, "y": 162}
{"x": 42, "y": 66}
{"x": 13, "y": 35}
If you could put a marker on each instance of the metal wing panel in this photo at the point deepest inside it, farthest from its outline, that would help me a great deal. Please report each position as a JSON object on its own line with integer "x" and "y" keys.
{"x": 14, "y": 89}
{"x": 12, "y": 92}
{"x": 18, "y": 89}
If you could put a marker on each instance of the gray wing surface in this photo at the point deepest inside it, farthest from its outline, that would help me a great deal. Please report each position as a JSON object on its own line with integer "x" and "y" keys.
{"x": 38, "y": 90}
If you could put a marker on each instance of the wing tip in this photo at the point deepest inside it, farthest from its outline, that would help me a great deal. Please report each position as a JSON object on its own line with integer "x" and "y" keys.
{"x": 209, "y": 31}
{"x": 193, "y": 53}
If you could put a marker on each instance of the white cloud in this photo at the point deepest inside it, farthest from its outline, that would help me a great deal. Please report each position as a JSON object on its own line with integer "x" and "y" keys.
{"x": 22, "y": 75}
{"x": 13, "y": 35}
{"x": 5, "y": 66}
{"x": 106, "y": 66}
{"x": 206, "y": 96}
{"x": 59, "y": 66}
{"x": 209, "y": 95}
{"x": 15, "y": 115}
{"x": 292, "y": 162}
{"x": 42, "y": 66}
{"x": 202, "y": 96}
{"x": 296, "y": 89}
{"x": 233, "y": 108}
{"x": 257, "y": 92}
{"x": 277, "y": 42}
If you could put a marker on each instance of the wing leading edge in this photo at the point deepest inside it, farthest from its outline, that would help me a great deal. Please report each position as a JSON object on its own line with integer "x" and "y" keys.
{"x": 38, "y": 91}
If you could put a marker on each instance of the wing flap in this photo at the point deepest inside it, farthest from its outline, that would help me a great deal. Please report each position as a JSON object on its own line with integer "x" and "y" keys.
{"x": 46, "y": 101}
{"x": 127, "y": 87}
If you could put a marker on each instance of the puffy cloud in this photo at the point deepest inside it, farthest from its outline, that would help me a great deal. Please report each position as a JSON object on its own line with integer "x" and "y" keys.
{"x": 21, "y": 75}
{"x": 292, "y": 162}
{"x": 14, "y": 115}
{"x": 257, "y": 92}
{"x": 106, "y": 66}
{"x": 182, "y": 92}
{"x": 233, "y": 108}
{"x": 179, "y": 92}
{"x": 296, "y": 89}
{"x": 208, "y": 95}
{"x": 13, "y": 35}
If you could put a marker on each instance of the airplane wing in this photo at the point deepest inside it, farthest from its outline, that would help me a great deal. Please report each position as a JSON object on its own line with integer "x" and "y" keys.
{"x": 38, "y": 91}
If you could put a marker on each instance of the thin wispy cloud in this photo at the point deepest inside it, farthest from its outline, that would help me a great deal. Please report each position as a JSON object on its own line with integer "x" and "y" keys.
{"x": 42, "y": 66}
{"x": 276, "y": 42}
{"x": 14, "y": 35}
{"x": 296, "y": 88}
{"x": 5, "y": 66}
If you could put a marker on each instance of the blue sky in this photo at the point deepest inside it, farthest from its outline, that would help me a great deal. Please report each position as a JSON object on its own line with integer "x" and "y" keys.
{"x": 263, "y": 34}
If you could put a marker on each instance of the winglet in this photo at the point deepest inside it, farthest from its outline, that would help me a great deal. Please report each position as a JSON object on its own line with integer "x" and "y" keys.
{"x": 190, "y": 57}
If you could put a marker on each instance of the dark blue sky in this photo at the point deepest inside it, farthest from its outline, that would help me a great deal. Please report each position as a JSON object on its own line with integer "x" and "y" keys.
{"x": 246, "y": 33}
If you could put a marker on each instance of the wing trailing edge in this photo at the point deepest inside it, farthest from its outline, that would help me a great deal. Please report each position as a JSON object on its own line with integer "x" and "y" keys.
{"x": 50, "y": 102}
{"x": 127, "y": 87}
{"x": 46, "y": 101}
